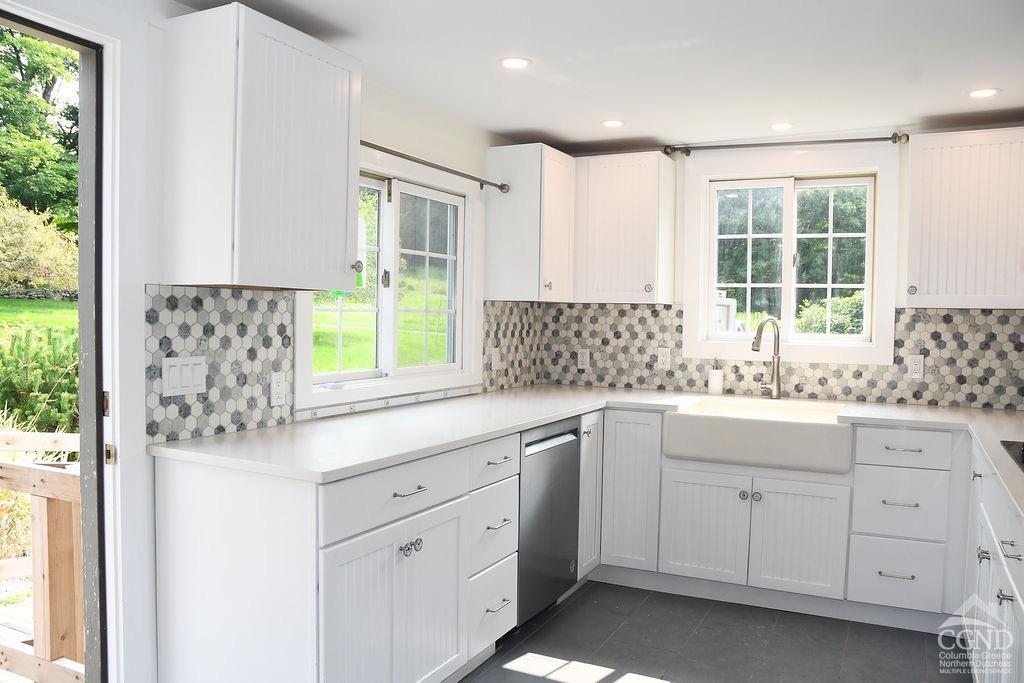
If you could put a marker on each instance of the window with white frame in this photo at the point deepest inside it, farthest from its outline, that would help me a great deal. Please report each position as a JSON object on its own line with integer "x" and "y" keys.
{"x": 406, "y": 319}
{"x": 798, "y": 250}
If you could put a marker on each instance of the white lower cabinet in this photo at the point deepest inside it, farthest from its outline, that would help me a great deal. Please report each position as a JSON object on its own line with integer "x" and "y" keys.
{"x": 493, "y": 603}
{"x": 629, "y": 505}
{"x": 591, "y": 465}
{"x": 798, "y": 533}
{"x": 705, "y": 525}
{"x": 994, "y": 616}
{"x": 392, "y": 601}
{"x": 769, "y": 533}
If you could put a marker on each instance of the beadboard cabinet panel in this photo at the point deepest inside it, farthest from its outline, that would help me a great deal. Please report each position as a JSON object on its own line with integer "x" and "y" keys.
{"x": 798, "y": 536}
{"x": 966, "y": 242}
{"x": 629, "y": 503}
{"x": 261, "y": 155}
{"x": 625, "y": 208}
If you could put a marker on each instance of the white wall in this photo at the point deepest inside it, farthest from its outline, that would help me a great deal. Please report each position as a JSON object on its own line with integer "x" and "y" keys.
{"x": 408, "y": 125}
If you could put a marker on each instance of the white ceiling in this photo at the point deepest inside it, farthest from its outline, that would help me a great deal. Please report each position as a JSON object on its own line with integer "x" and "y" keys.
{"x": 683, "y": 71}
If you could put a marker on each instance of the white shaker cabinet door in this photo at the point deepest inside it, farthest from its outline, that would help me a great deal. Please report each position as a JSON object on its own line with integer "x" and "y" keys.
{"x": 632, "y": 470}
{"x": 557, "y": 255}
{"x": 705, "y": 525}
{"x": 430, "y": 596}
{"x": 591, "y": 465}
{"x": 357, "y": 606}
{"x": 798, "y": 537}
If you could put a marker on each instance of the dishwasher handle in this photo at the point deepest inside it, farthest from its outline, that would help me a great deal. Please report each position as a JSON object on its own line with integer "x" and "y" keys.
{"x": 549, "y": 443}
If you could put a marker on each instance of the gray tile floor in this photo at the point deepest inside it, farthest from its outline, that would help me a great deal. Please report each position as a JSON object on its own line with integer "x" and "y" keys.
{"x": 660, "y": 636}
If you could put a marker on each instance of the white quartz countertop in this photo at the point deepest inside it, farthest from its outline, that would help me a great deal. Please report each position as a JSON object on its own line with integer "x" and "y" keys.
{"x": 329, "y": 449}
{"x": 333, "y": 448}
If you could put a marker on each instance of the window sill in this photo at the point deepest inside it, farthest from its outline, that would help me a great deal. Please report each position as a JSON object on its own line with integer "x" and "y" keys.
{"x": 842, "y": 353}
{"x": 310, "y": 397}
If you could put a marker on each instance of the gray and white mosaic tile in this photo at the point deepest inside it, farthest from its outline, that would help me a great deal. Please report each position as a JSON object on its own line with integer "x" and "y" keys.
{"x": 972, "y": 357}
{"x": 244, "y": 335}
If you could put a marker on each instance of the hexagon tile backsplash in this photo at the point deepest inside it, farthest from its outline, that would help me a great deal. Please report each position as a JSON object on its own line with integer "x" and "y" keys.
{"x": 244, "y": 335}
{"x": 972, "y": 357}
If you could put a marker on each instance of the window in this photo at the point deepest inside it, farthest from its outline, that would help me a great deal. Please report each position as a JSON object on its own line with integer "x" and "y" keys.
{"x": 401, "y": 331}
{"x": 796, "y": 250}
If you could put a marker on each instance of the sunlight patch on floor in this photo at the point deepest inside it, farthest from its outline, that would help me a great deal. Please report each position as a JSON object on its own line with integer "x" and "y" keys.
{"x": 564, "y": 671}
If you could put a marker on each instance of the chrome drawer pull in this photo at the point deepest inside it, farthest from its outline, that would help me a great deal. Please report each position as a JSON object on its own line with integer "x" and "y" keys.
{"x": 901, "y": 505}
{"x": 983, "y": 554}
{"x": 505, "y": 521}
{"x": 975, "y": 475}
{"x": 1010, "y": 556}
{"x": 419, "y": 489}
{"x": 912, "y": 577}
{"x": 904, "y": 450}
{"x": 505, "y": 602}
{"x": 492, "y": 463}
{"x": 1004, "y": 597}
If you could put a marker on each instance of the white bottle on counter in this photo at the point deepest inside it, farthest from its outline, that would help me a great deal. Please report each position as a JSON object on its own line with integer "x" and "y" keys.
{"x": 716, "y": 379}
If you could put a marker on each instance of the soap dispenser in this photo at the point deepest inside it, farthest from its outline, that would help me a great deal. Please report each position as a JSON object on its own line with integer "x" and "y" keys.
{"x": 716, "y": 378}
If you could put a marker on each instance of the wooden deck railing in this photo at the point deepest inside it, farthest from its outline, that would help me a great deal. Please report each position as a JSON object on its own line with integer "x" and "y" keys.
{"x": 57, "y": 651}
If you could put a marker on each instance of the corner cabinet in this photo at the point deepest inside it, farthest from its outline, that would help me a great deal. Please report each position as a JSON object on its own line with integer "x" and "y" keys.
{"x": 261, "y": 154}
{"x": 629, "y": 501}
{"x": 530, "y": 251}
{"x": 966, "y": 225}
{"x": 625, "y": 228}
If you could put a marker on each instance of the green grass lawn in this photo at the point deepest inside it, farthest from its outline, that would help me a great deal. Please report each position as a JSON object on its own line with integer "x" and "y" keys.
{"x": 359, "y": 335}
{"x": 39, "y": 313}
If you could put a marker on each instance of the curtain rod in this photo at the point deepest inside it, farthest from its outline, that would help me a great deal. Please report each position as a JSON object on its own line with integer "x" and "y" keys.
{"x": 501, "y": 187}
{"x": 895, "y": 138}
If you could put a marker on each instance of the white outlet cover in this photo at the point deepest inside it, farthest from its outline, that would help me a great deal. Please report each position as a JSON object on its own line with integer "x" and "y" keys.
{"x": 915, "y": 366}
{"x": 277, "y": 389}
{"x": 582, "y": 359}
{"x": 183, "y": 375}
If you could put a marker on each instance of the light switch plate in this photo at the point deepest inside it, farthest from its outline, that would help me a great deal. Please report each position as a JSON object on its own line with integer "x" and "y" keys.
{"x": 664, "y": 358}
{"x": 182, "y": 375}
{"x": 915, "y": 366}
{"x": 278, "y": 391}
{"x": 582, "y": 359}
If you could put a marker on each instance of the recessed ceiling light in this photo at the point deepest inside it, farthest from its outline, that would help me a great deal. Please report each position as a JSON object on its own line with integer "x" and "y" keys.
{"x": 612, "y": 123}
{"x": 514, "y": 63}
{"x": 984, "y": 92}
{"x": 781, "y": 126}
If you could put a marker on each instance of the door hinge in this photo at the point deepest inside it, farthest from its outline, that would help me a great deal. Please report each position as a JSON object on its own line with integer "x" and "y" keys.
{"x": 106, "y": 404}
{"x": 390, "y": 181}
{"x": 109, "y": 454}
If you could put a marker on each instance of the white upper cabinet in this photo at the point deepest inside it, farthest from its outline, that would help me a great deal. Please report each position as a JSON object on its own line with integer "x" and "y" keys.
{"x": 530, "y": 253}
{"x": 966, "y": 246}
{"x": 625, "y": 212}
{"x": 261, "y": 154}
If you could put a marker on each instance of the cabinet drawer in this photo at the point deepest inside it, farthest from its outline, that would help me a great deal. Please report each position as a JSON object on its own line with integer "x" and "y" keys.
{"x": 493, "y": 603}
{"x": 351, "y": 506}
{"x": 493, "y": 523}
{"x": 900, "y": 501}
{"x": 904, "y": 447}
{"x": 492, "y": 461}
{"x": 898, "y": 573}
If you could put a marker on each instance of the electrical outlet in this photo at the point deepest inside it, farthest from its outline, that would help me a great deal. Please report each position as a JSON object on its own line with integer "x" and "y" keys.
{"x": 915, "y": 366}
{"x": 495, "y": 357}
{"x": 277, "y": 389}
{"x": 664, "y": 358}
{"x": 582, "y": 359}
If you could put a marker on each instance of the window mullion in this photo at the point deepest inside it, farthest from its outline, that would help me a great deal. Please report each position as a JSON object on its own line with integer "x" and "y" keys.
{"x": 788, "y": 303}
{"x": 387, "y": 241}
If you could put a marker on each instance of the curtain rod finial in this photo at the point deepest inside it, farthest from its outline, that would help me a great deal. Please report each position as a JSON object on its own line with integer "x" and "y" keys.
{"x": 503, "y": 188}
{"x": 898, "y": 138}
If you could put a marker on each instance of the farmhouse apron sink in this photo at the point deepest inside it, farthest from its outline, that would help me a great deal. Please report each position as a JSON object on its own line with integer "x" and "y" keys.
{"x": 786, "y": 434}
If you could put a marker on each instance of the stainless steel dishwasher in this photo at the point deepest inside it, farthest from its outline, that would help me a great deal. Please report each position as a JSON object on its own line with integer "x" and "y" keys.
{"x": 549, "y": 498}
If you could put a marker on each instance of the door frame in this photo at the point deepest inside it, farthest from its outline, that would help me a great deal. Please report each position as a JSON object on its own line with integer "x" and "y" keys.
{"x": 90, "y": 326}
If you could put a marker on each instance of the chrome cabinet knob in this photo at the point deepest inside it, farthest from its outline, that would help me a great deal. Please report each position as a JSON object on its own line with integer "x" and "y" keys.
{"x": 983, "y": 554}
{"x": 1004, "y": 597}
{"x": 756, "y": 496}
{"x": 548, "y": 285}
{"x": 744, "y": 495}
